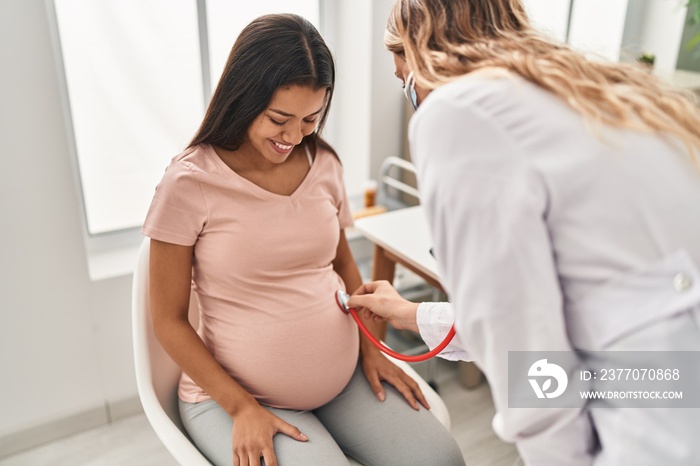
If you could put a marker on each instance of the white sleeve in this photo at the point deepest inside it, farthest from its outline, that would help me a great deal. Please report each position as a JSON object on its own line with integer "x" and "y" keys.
{"x": 486, "y": 207}
{"x": 434, "y": 322}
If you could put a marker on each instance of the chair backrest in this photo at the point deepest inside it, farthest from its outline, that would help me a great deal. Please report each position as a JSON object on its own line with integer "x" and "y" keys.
{"x": 157, "y": 375}
{"x": 392, "y": 176}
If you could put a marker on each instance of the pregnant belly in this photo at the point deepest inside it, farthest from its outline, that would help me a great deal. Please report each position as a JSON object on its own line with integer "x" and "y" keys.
{"x": 299, "y": 363}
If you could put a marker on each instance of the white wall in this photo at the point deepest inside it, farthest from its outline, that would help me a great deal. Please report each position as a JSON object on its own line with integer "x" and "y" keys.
{"x": 656, "y": 26}
{"x": 388, "y": 101}
{"x": 597, "y": 26}
{"x": 550, "y": 16}
{"x": 629, "y": 28}
{"x": 65, "y": 345}
{"x": 365, "y": 123}
{"x": 350, "y": 129}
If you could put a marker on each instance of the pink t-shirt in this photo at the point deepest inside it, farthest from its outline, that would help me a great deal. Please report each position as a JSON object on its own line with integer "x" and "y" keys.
{"x": 263, "y": 276}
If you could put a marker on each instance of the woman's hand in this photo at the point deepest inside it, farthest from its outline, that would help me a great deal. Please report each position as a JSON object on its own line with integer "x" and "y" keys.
{"x": 253, "y": 429}
{"x": 378, "y": 368}
{"x": 380, "y": 301}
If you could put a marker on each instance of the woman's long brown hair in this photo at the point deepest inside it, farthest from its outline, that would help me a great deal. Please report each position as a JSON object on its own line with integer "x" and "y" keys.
{"x": 271, "y": 52}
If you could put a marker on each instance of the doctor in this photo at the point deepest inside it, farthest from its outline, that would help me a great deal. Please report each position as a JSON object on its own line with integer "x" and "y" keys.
{"x": 563, "y": 196}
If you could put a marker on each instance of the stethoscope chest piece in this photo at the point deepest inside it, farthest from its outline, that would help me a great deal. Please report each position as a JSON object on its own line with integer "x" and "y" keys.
{"x": 341, "y": 298}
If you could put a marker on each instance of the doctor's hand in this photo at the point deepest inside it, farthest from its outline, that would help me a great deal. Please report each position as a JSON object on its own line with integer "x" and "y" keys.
{"x": 380, "y": 301}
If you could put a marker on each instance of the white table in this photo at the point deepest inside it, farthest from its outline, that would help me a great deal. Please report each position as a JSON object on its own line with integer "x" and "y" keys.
{"x": 400, "y": 237}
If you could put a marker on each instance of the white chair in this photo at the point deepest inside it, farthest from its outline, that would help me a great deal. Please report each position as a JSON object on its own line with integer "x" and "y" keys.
{"x": 157, "y": 375}
{"x": 392, "y": 191}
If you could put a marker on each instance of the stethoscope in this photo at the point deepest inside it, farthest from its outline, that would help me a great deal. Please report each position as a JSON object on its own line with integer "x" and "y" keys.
{"x": 341, "y": 298}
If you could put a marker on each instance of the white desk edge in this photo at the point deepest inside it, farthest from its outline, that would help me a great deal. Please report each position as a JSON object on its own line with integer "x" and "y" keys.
{"x": 405, "y": 234}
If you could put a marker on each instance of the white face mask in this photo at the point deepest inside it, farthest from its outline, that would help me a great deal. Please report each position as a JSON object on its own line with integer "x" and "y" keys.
{"x": 409, "y": 90}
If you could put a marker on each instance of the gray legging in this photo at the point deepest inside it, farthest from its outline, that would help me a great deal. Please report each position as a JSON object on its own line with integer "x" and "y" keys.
{"x": 356, "y": 423}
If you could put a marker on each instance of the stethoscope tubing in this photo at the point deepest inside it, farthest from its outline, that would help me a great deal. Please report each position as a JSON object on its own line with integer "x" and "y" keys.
{"x": 385, "y": 349}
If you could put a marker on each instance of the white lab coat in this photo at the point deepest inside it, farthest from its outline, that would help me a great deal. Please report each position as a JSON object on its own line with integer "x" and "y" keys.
{"x": 552, "y": 234}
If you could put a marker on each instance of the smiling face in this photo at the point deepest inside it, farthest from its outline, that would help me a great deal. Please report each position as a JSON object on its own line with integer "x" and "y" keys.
{"x": 293, "y": 113}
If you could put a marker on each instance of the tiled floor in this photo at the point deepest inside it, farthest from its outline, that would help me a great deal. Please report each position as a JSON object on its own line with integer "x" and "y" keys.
{"x": 131, "y": 442}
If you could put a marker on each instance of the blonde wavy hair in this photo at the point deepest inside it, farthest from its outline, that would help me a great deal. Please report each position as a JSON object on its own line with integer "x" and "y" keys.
{"x": 443, "y": 40}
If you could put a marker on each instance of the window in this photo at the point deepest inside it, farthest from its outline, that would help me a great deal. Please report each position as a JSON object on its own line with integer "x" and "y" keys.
{"x": 226, "y": 19}
{"x": 551, "y": 16}
{"x": 134, "y": 81}
{"x": 137, "y": 78}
